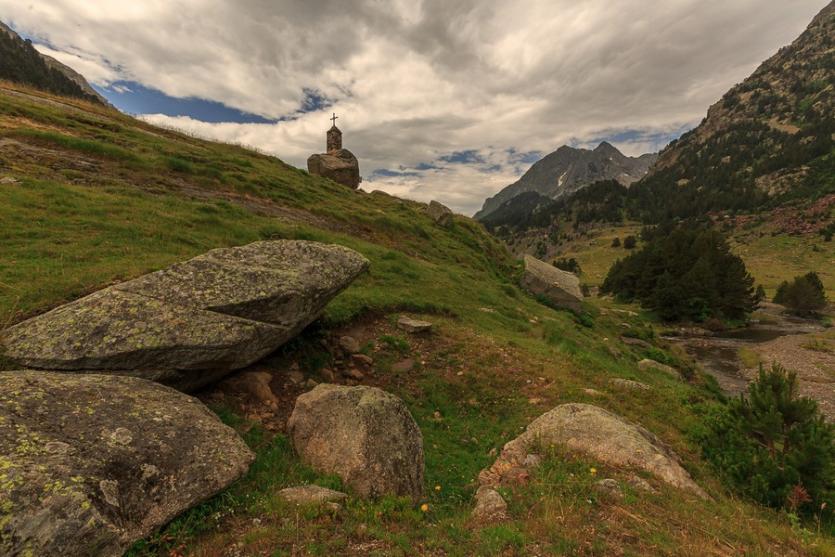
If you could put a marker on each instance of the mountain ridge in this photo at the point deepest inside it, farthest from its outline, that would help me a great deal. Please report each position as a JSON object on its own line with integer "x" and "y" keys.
{"x": 23, "y": 63}
{"x": 569, "y": 169}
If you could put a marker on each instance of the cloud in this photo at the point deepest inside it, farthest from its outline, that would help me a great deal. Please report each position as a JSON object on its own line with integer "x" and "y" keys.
{"x": 420, "y": 84}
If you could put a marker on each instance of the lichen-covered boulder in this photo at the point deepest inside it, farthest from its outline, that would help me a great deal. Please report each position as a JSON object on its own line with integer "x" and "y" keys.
{"x": 91, "y": 463}
{"x": 340, "y": 165}
{"x": 560, "y": 288}
{"x": 598, "y": 433}
{"x": 364, "y": 435}
{"x": 191, "y": 323}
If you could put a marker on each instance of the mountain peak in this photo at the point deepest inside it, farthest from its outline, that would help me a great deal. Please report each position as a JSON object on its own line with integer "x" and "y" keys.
{"x": 569, "y": 169}
{"x": 606, "y": 147}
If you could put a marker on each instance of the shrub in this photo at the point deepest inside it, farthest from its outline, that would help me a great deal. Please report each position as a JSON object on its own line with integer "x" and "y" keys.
{"x": 774, "y": 446}
{"x": 629, "y": 242}
{"x": 685, "y": 273}
{"x": 569, "y": 265}
{"x": 616, "y": 242}
{"x": 759, "y": 294}
{"x": 804, "y": 295}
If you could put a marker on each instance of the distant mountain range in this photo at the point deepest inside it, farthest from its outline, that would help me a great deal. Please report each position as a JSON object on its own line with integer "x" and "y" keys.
{"x": 20, "y": 62}
{"x": 567, "y": 170}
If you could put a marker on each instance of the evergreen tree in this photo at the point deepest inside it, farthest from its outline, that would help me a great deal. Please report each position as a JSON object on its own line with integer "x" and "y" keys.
{"x": 684, "y": 272}
{"x": 774, "y": 445}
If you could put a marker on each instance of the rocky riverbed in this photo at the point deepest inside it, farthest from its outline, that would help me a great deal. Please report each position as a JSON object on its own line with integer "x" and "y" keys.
{"x": 801, "y": 345}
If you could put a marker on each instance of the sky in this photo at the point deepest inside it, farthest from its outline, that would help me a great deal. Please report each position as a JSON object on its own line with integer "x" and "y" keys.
{"x": 439, "y": 99}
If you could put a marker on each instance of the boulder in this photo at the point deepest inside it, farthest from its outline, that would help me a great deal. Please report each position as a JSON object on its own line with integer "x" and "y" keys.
{"x": 340, "y": 165}
{"x": 560, "y": 288}
{"x": 646, "y": 364}
{"x": 194, "y": 322}
{"x": 364, "y": 435}
{"x": 311, "y": 495}
{"x": 414, "y": 325}
{"x": 349, "y": 345}
{"x": 439, "y": 213}
{"x": 91, "y": 463}
{"x": 599, "y": 434}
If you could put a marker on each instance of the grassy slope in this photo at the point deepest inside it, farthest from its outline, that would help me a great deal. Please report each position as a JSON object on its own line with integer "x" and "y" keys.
{"x": 103, "y": 197}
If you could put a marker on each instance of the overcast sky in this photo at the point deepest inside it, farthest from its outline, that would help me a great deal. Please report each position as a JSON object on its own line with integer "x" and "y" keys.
{"x": 439, "y": 99}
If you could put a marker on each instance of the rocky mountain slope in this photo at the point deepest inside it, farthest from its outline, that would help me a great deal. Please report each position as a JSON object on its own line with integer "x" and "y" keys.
{"x": 567, "y": 170}
{"x": 768, "y": 140}
{"x": 20, "y": 62}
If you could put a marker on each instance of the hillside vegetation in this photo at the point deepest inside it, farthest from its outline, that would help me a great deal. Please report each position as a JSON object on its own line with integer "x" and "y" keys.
{"x": 89, "y": 196}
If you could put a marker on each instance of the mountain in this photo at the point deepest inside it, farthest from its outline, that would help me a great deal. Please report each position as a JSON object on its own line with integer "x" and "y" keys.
{"x": 766, "y": 141}
{"x": 567, "y": 170}
{"x": 20, "y": 62}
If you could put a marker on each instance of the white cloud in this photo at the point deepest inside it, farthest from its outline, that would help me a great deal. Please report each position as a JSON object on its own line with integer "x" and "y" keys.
{"x": 416, "y": 80}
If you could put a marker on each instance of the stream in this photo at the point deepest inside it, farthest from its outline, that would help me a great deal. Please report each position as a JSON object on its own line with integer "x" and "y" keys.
{"x": 718, "y": 353}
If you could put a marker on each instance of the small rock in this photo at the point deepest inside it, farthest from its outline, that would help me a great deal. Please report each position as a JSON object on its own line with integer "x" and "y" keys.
{"x": 8, "y": 180}
{"x": 593, "y": 392}
{"x": 532, "y": 461}
{"x": 256, "y": 384}
{"x": 639, "y": 483}
{"x": 362, "y": 361}
{"x": 354, "y": 374}
{"x": 646, "y": 364}
{"x": 414, "y": 325}
{"x": 349, "y": 344}
{"x": 310, "y": 495}
{"x": 403, "y": 366}
{"x": 632, "y": 341}
{"x": 327, "y": 375}
{"x": 490, "y": 506}
{"x": 608, "y": 487}
{"x": 629, "y": 384}
{"x": 296, "y": 377}
{"x": 614, "y": 352}
{"x": 310, "y": 383}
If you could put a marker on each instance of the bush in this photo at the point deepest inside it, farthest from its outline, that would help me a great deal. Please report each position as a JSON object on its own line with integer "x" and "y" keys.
{"x": 629, "y": 242}
{"x": 774, "y": 446}
{"x": 759, "y": 294}
{"x": 569, "y": 265}
{"x": 685, "y": 273}
{"x": 616, "y": 243}
{"x": 804, "y": 295}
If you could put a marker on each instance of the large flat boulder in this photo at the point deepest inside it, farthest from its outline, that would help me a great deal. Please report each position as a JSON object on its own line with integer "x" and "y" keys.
{"x": 364, "y": 435}
{"x": 598, "y": 433}
{"x": 91, "y": 463}
{"x": 191, "y": 323}
{"x": 560, "y": 288}
{"x": 339, "y": 165}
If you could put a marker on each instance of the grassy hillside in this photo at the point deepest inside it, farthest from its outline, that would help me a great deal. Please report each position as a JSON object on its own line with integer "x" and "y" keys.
{"x": 97, "y": 197}
{"x": 770, "y": 255}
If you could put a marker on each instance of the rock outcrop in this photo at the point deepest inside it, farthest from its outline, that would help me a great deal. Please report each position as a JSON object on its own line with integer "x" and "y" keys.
{"x": 341, "y": 166}
{"x": 364, "y": 435}
{"x": 598, "y": 433}
{"x": 560, "y": 288}
{"x": 439, "y": 213}
{"x": 91, "y": 463}
{"x": 191, "y": 323}
{"x": 647, "y": 364}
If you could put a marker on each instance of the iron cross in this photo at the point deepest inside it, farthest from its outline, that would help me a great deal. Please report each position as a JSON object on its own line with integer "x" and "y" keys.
{"x": 334, "y": 118}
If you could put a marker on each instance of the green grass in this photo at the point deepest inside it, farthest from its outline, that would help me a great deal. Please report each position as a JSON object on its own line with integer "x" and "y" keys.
{"x": 103, "y": 198}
